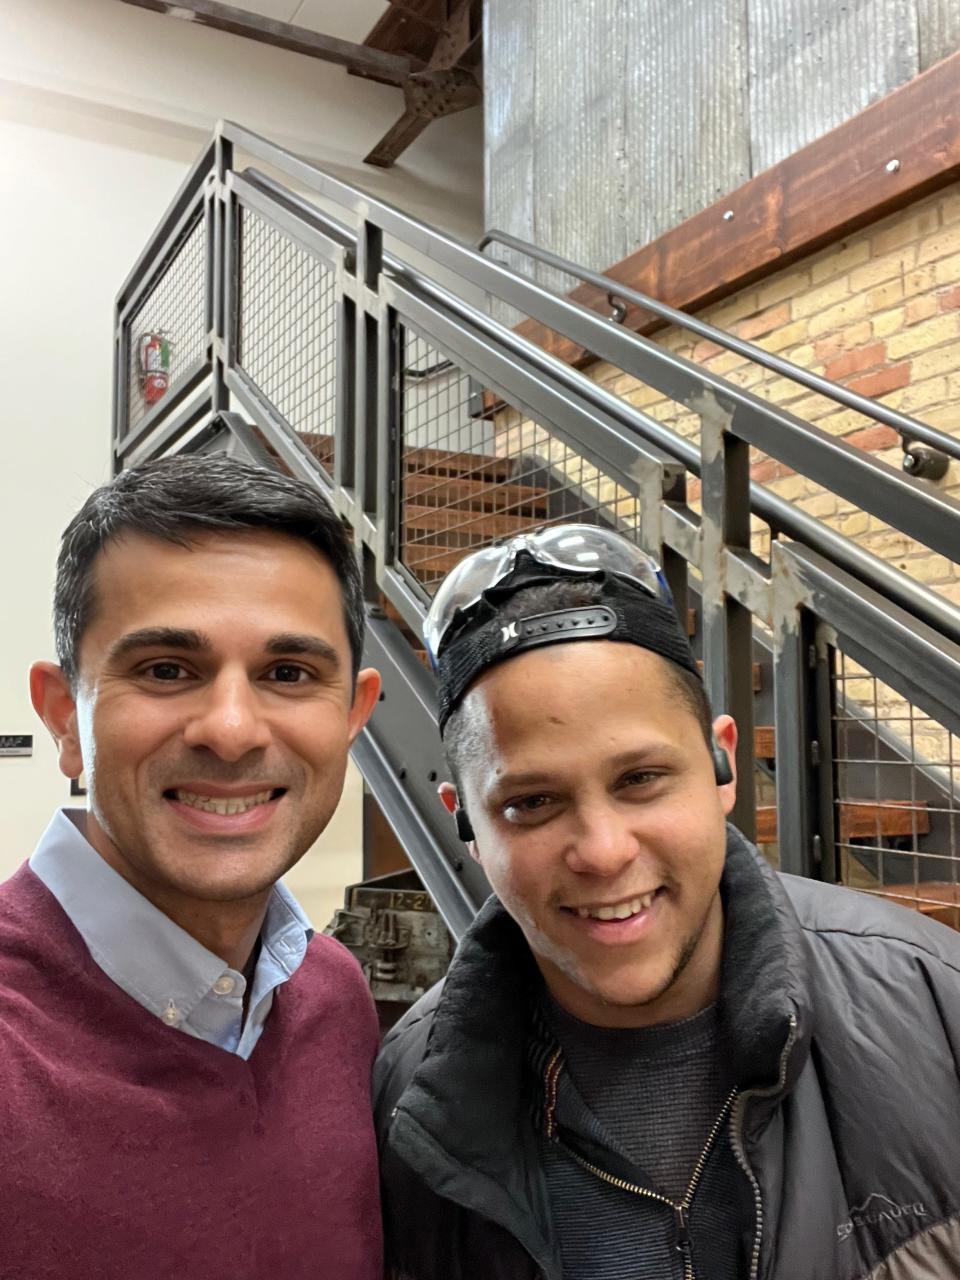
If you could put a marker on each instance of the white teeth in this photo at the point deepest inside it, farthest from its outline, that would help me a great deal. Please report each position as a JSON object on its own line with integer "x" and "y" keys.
{"x": 620, "y": 910}
{"x": 223, "y": 804}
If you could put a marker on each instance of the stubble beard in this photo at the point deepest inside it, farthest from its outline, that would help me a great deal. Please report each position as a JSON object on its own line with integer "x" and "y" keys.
{"x": 572, "y": 968}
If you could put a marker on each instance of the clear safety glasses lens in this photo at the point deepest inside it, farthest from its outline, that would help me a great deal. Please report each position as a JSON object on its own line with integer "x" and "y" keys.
{"x": 578, "y": 548}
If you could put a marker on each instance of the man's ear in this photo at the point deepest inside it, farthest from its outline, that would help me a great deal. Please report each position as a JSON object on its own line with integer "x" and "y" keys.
{"x": 448, "y": 796}
{"x": 725, "y": 735}
{"x": 56, "y": 706}
{"x": 451, "y": 802}
{"x": 365, "y": 697}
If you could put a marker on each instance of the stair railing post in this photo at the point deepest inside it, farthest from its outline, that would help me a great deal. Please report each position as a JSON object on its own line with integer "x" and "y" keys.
{"x": 218, "y": 231}
{"x": 369, "y": 517}
{"x": 727, "y": 625}
{"x": 803, "y": 721}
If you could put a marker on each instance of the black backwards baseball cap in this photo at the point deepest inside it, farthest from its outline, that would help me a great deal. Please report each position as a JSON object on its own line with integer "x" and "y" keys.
{"x": 466, "y": 633}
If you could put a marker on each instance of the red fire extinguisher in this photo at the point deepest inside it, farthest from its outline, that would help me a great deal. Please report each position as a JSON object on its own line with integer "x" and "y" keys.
{"x": 154, "y": 366}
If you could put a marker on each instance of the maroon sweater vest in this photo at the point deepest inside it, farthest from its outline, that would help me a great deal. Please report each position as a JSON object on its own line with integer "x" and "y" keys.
{"x": 132, "y": 1151}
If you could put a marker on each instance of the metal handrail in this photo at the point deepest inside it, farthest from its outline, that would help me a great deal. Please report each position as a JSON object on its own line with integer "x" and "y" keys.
{"x": 777, "y": 512}
{"x": 802, "y": 595}
{"x": 909, "y": 428}
{"x": 782, "y": 516}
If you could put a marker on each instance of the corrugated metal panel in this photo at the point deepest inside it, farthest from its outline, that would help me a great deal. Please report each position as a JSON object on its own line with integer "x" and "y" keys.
{"x": 610, "y": 121}
{"x": 939, "y": 25}
{"x": 816, "y": 63}
{"x": 509, "y": 40}
{"x": 686, "y": 104}
{"x": 578, "y": 157}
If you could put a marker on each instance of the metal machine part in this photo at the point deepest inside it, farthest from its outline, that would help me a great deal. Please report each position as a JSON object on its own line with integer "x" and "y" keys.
{"x": 396, "y": 933}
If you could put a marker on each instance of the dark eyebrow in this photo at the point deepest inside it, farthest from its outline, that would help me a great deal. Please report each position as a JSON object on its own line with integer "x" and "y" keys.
{"x": 292, "y": 643}
{"x": 159, "y": 638}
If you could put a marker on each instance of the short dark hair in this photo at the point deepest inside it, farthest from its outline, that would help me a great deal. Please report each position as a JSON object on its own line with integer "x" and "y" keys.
{"x": 459, "y": 738}
{"x": 178, "y": 498}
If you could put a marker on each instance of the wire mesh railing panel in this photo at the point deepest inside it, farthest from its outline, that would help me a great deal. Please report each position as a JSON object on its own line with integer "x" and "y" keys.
{"x": 897, "y": 795}
{"x": 475, "y": 470}
{"x": 166, "y": 335}
{"x": 287, "y": 331}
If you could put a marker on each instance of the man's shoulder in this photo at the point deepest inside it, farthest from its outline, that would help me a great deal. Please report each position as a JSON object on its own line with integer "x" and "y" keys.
{"x": 27, "y": 908}
{"x": 329, "y": 969}
{"x": 837, "y": 917}
{"x": 403, "y": 1049}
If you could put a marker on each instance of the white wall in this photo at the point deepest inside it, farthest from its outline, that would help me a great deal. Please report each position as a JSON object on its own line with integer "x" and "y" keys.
{"x": 102, "y": 109}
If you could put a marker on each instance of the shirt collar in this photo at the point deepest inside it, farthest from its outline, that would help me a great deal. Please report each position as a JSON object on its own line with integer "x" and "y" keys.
{"x": 142, "y": 950}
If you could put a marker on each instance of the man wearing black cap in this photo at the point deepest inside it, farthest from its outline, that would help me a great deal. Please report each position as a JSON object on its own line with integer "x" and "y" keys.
{"x": 652, "y": 1057}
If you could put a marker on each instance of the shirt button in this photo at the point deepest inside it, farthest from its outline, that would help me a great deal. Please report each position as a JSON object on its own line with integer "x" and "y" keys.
{"x": 224, "y": 985}
{"x": 170, "y": 1015}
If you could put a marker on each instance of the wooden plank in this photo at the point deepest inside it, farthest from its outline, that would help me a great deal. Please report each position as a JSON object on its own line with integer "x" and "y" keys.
{"x": 937, "y": 900}
{"x": 764, "y": 742}
{"x": 438, "y": 462}
{"x": 860, "y": 820}
{"x": 427, "y": 559}
{"x": 826, "y": 190}
{"x": 477, "y": 524}
{"x": 396, "y": 140}
{"x": 462, "y": 463}
{"x": 866, "y": 821}
{"x": 520, "y": 499}
{"x": 388, "y": 67}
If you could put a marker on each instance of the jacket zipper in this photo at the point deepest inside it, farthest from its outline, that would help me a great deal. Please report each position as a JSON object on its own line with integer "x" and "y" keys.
{"x": 681, "y": 1209}
{"x": 737, "y": 1126}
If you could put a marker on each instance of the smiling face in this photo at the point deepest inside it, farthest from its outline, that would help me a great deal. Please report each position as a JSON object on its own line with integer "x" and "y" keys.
{"x": 214, "y": 711}
{"x": 600, "y": 826}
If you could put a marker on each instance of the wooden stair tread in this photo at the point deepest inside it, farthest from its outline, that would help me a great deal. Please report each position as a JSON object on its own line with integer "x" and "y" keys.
{"x": 444, "y": 491}
{"x": 463, "y": 463}
{"x": 927, "y": 896}
{"x": 861, "y": 820}
{"x": 461, "y": 520}
{"x": 937, "y": 900}
{"x": 438, "y": 461}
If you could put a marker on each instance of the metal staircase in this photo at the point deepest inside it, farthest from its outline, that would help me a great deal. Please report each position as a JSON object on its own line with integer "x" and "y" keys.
{"x": 314, "y": 328}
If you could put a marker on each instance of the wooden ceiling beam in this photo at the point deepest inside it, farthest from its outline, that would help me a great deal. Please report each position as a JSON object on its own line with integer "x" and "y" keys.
{"x": 389, "y": 67}
{"x": 429, "y": 13}
{"x": 442, "y": 89}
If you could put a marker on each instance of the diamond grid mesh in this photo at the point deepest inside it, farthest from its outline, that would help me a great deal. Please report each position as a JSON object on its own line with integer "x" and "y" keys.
{"x": 174, "y": 310}
{"x": 476, "y": 470}
{"x": 288, "y": 332}
{"x": 897, "y": 795}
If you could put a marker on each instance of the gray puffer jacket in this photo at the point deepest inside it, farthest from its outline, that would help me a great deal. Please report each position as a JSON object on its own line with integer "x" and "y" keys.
{"x": 841, "y": 1016}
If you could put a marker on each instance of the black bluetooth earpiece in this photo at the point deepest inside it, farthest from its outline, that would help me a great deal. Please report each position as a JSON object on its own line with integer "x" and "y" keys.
{"x": 464, "y": 827}
{"x": 721, "y": 764}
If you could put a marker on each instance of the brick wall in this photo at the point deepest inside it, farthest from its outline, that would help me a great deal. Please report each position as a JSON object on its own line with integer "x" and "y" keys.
{"x": 878, "y": 312}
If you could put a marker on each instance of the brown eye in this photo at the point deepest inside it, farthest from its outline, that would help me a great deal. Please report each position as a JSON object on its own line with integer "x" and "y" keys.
{"x": 526, "y": 808}
{"x": 289, "y": 673}
{"x": 165, "y": 671}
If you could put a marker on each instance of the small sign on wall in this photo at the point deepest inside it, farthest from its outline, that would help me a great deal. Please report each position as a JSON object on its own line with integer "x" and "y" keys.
{"x": 16, "y": 744}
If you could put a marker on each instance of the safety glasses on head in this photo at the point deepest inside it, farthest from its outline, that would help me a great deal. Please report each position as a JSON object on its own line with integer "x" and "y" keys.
{"x": 572, "y": 548}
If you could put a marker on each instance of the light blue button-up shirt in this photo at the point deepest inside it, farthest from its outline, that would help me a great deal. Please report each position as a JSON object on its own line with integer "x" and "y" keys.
{"x": 155, "y": 961}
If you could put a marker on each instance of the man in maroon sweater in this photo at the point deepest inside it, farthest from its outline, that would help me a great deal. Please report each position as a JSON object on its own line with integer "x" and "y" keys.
{"x": 184, "y": 1066}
